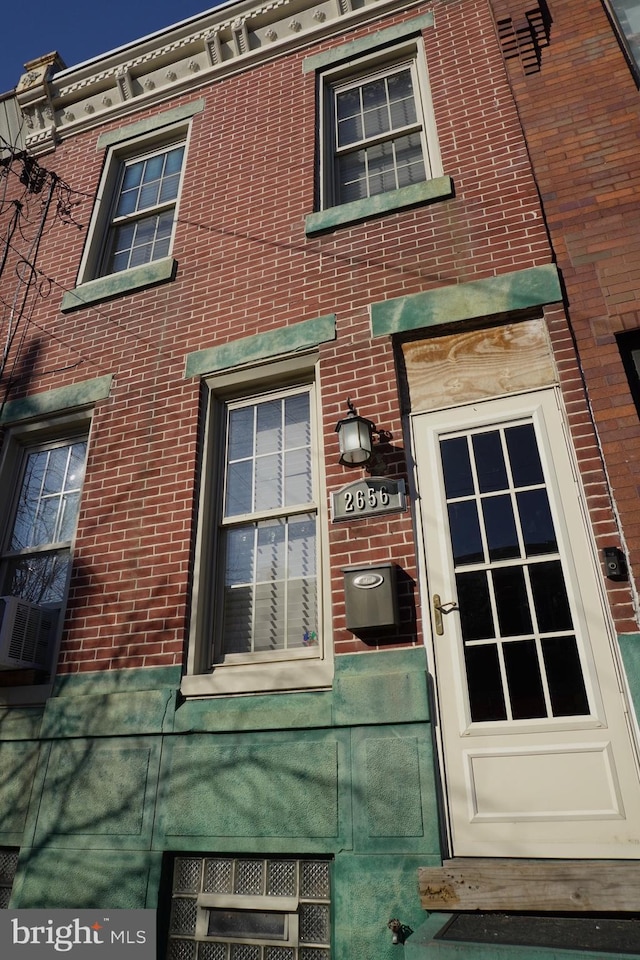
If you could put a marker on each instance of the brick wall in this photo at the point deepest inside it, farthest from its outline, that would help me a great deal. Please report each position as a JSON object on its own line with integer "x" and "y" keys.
{"x": 580, "y": 112}
{"x": 245, "y": 265}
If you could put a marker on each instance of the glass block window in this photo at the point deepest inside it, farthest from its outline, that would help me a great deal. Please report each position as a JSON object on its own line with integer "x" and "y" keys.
{"x": 268, "y": 542}
{"x": 8, "y": 867}
{"x": 250, "y": 908}
{"x": 144, "y": 210}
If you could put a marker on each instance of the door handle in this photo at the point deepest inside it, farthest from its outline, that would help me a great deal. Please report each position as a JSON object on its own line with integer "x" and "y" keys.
{"x": 438, "y": 609}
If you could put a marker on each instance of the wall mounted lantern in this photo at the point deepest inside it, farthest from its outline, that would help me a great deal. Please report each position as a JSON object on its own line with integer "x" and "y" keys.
{"x": 355, "y": 435}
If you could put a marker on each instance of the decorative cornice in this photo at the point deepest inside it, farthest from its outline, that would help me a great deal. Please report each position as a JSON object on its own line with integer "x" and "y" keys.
{"x": 182, "y": 58}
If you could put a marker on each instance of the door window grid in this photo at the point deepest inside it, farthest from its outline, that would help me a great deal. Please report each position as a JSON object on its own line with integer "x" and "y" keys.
{"x": 268, "y": 530}
{"x": 192, "y": 922}
{"x": 520, "y": 646}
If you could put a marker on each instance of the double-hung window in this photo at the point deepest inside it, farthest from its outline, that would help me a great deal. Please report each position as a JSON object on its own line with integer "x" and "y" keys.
{"x": 130, "y": 240}
{"x": 37, "y": 554}
{"x": 378, "y": 135}
{"x": 377, "y": 127}
{"x": 144, "y": 209}
{"x": 377, "y": 140}
{"x": 267, "y": 537}
{"x": 259, "y": 614}
{"x": 36, "y": 551}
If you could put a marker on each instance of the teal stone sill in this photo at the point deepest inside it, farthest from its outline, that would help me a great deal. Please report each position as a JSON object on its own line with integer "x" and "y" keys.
{"x": 105, "y": 288}
{"x": 441, "y": 188}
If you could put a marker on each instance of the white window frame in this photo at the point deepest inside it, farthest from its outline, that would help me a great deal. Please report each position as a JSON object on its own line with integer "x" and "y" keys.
{"x": 19, "y": 442}
{"x": 355, "y": 73}
{"x": 118, "y": 155}
{"x": 309, "y": 667}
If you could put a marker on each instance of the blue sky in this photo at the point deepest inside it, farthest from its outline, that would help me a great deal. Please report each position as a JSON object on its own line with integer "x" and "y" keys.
{"x": 80, "y": 29}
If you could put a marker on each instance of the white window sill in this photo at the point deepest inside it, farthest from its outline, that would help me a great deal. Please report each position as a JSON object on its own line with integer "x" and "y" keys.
{"x": 232, "y": 679}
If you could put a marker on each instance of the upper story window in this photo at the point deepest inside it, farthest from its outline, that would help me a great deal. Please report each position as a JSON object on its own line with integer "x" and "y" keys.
{"x": 141, "y": 226}
{"x": 377, "y": 141}
{"x": 130, "y": 237}
{"x": 377, "y": 127}
{"x": 378, "y": 134}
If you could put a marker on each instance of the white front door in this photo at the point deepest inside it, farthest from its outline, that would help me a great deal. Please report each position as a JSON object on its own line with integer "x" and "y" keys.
{"x": 538, "y": 759}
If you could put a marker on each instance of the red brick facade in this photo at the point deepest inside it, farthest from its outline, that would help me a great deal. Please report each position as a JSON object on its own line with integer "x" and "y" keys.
{"x": 246, "y": 266}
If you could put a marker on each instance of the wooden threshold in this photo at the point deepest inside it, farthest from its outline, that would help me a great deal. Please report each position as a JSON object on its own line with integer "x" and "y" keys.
{"x": 478, "y": 883}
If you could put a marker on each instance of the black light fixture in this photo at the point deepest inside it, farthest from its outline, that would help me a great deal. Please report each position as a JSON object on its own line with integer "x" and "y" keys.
{"x": 355, "y": 435}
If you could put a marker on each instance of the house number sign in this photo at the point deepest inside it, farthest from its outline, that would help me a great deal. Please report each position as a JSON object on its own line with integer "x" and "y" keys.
{"x": 368, "y": 498}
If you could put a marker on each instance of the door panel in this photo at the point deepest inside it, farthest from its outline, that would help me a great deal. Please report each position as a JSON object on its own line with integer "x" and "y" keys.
{"x": 538, "y": 758}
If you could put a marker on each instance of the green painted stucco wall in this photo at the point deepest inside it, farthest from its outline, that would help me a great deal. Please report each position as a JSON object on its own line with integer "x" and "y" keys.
{"x": 118, "y": 770}
{"x": 114, "y": 771}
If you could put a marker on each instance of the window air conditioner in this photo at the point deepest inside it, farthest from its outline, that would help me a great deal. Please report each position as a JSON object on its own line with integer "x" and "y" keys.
{"x": 27, "y": 631}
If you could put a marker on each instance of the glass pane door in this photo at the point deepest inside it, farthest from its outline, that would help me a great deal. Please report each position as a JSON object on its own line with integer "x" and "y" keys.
{"x": 520, "y": 649}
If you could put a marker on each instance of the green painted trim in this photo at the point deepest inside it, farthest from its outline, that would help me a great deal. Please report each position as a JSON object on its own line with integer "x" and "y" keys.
{"x": 113, "y": 801}
{"x": 56, "y": 401}
{"x": 262, "y": 346}
{"x": 440, "y": 188}
{"x": 505, "y": 293}
{"x": 393, "y": 768}
{"x": 115, "y": 714}
{"x": 210, "y": 785}
{"x": 278, "y": 711}
{"x": 347, "y": 51}
{"x": 385, "y": 687}
{"x": 104, "y": 288}
{"x": 368, "y": 689}
{"x": 103, "y": 880}
{"x": 20, "y": 723}
{"x": 105, "y": 682}
{"x": 156, "y": 122}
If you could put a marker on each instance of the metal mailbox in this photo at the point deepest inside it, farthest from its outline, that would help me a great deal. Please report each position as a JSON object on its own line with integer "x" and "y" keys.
{"x": 371, "y": 597}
